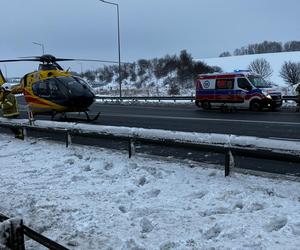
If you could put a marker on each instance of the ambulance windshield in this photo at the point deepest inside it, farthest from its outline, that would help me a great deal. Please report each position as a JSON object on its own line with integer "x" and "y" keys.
{"x": 258, "y": 81}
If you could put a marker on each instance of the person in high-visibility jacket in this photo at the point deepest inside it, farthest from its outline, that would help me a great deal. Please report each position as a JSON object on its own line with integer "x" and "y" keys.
{"x": 9, "y": 106}
{"x": 298, "y": 97}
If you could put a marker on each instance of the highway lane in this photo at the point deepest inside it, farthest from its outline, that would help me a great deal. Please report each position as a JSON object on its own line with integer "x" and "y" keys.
{"x": 281, "y": 124}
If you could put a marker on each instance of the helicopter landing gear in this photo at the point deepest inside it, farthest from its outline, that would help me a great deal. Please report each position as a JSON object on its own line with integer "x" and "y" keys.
{"x": 89, "y": 119}
{"x": 74, "y": 117}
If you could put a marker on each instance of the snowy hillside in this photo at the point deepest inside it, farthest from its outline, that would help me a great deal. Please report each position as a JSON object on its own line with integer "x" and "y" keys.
{"x": 92, "y": 198}
{"x": 228, "y": 64}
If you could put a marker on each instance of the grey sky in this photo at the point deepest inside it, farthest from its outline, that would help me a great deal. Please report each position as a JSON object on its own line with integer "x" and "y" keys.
{"x": 149, "y": 28}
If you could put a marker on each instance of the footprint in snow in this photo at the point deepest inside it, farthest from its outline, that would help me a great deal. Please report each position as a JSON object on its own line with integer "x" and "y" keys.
{"x": 168, "y": 245}
{"x": 142, "y": 181}
{"x": 152, "y": 193}
{"x": 146, "y": 225}
{"x": 276, "y": 224}
{"x": 296, "y": 228}
{"x": 132, "y": 245}
{"x": 69, "y": 161}
{"x": 213, "y": 232}
{"x": 255, "y": 207}
{"x": 108, "y": 166}
{"x": 197, "y": 195}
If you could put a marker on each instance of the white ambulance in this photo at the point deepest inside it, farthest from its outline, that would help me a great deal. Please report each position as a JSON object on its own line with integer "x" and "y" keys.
{"x": 240, "y": 89}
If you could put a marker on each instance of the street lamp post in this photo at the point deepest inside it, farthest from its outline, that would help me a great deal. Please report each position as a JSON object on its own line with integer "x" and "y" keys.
{"x": 119, "y": 42}
{"x": 81, "y": 68}
{"x": 42, "y": 45}
{"x": 5, "y": 71}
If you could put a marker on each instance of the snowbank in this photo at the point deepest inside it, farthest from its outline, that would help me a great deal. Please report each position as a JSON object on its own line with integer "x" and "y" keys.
{"x": 91, "y": 198}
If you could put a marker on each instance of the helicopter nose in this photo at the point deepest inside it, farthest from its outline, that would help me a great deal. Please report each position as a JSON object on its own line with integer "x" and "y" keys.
{"x": 82, "y": 102}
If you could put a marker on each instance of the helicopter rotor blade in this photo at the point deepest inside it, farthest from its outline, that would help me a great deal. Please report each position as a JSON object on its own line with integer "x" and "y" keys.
{"x": 20, "y": 60}
{"x": 52, "y": 59}
{"x": 84, "y": 60}
{"x": 24, "y": 57}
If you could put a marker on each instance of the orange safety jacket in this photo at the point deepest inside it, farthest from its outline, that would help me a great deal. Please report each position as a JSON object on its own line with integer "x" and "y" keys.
{"x": 9, "y": 104}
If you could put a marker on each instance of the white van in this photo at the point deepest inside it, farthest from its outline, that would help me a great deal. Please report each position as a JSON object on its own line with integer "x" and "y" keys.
{"x": 241, "y": 89}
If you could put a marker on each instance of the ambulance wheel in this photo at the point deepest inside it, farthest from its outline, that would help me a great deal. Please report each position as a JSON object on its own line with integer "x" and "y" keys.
{"x": 255, "y": 105}
{"x": 206, "y": 105}
{"x": 198, "y": 104}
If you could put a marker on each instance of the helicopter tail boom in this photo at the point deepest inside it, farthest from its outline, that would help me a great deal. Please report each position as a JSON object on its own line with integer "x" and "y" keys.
{"x": 2, "y": 78}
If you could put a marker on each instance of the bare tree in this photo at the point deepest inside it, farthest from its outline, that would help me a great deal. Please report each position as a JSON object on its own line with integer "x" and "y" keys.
{"x": 261, "y": 67}
{"x": 290, "y": 72}
{"x": 225, "y": 54}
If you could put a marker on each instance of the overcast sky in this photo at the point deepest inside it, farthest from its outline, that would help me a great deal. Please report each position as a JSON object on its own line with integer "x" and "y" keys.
{"x": 149, "y": 28}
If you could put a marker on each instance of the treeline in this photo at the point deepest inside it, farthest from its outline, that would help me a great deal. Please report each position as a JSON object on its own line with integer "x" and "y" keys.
{"x": 174, "y": 71}
{"x": 289, "y": 72}
{"x": 264, "y": 47}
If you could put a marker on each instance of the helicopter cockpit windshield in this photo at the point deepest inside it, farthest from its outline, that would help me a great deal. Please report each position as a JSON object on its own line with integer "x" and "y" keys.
{"x": 75, "y": 86}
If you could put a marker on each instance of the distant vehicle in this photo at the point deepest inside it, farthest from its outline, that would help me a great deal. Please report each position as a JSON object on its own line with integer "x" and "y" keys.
{"x": 240, "y": 89}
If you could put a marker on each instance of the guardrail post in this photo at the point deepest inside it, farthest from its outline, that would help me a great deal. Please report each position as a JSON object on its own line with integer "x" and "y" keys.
{"x": 30, "y": 117}
{"x": 15, "y": 240}
{"x": 24, "y": 133}
{"x": 68, "y": 139}
{"x": 229, "y": 162}
{"x": 131, "y": 147}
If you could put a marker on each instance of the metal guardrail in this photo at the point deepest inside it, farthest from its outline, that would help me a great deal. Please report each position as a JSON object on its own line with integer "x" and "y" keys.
{"x": 132, "y": 135}
{"x": 147, "y": 98}
{"x": 169, "y": 98}
{"x": 290, "y": 98}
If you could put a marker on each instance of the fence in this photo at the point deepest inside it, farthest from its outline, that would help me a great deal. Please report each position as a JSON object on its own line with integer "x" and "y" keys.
{"x": 13, "y": 231}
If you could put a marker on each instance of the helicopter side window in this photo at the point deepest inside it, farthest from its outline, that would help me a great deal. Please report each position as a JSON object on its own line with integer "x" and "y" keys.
{"x": 54, "y": 90}
{"x": 41, "y": 89}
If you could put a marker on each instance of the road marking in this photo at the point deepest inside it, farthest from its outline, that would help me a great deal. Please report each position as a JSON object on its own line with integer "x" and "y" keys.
{"x": 200, "y": 119}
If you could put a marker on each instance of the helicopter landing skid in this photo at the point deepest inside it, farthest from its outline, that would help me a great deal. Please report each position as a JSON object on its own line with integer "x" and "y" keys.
{"x": 91, "y": 119}
{"x": 76, "y": 117}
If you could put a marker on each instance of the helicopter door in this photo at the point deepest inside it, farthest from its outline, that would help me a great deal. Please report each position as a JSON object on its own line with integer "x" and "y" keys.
{"x": 41, "y": 89}
{"x": 50, "y": 90}
{"x": 55, "y": 93}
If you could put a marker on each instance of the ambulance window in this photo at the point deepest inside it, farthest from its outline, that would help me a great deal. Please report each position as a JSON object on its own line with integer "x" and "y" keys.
{"x": 244, "y": 84}
{"x": 224, "y": 83}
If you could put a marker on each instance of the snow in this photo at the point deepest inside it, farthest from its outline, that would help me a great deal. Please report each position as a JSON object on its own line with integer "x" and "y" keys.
{"x": 92, "y": 198}
{"x": 229, "y": 64}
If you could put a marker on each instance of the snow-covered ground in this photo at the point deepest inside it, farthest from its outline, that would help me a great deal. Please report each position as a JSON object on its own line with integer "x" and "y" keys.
{"x": 229, "y": 64}
{"x": 93, "y": 198}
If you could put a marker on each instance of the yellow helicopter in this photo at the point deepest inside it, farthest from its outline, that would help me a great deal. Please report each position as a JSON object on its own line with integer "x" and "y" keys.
{"x": 53, "y": 90}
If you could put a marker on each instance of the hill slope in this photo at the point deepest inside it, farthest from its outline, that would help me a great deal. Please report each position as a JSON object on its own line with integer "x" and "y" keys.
{"x": 228, "y": 64}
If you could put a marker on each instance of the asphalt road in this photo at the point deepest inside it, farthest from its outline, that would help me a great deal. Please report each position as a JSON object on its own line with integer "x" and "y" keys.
{"x": 283, "y": 125}
{"x": 280, "y": 124}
